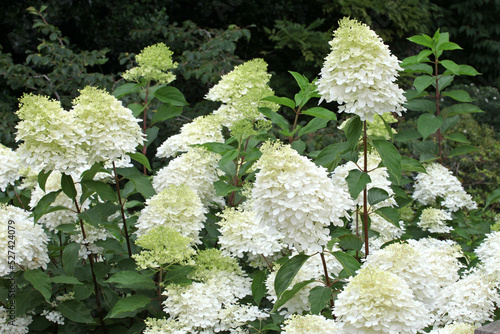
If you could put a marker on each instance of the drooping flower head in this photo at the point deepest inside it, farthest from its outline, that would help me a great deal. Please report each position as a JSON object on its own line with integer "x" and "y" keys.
{"x": 154, "y": 61}
{"x": 176, "y": 206}
{"x": 240, "y": 92}
{"x": 52, "y": 138}
{"x": 29, "y": 241}
{"x": 295, "y": 197}
{"x": 309, "y": 323}
{"x": 360, "y": 73}
{"x": 10, "y": 169}
{"x": 377, "y": 301}
{"x": 111, "y": 129}
{"x": 203, "y": 129}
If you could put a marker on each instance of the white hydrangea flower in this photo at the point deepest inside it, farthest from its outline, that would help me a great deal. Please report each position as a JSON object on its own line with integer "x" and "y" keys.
{"x": 309, "y": 323}
{"x": 154, "y": 61}
{"x": 360, "y": 73}
{"x": 87, "y": 244}
{"x": 439, "y": 182}
{"x": 241, "y": 234}
{"x": 311, "y": 269}
{"x": 240, "y": 91}
{"x": 52, "y": 220}
{"x": 455, "y": 328}
{"x": 470, "y": 300}
{"x": 177, "y": 206}
{"x": 162, "y": 326}
{"x": 295, "y": 197}
{"x": 10, "y": 169}
{"x": 19, "y": 234}
{"x": 197, "y": 169}
{"x": 52, "y": 138}
{"x": 434, "y": 220}
{"x": 203, "y": 129}
{"x": 18, "y": 326}
{"x": 377, "y": 301}
{"x": 53, "y": 316}
{"x": 489, "y": 254}
{"x": 409, "y": 264}
{"x": 112, "y": 131}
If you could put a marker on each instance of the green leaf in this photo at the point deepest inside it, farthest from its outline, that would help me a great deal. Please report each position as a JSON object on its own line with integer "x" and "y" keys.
{"x": 421, "y": 105}
{"x": 289, "y": 294}
{"x": 411, "y": 165}
{"x": 126, "y": 89}
{"x": 177, "y": 274}
{"x": 319, "y": 297}
{"x": 329, "y": 157}
{"x": 462, "y": 108}
{"x": 301, "y": 80}
{"x": 89, "y": 174}
{"x": 348, "y": 262}
{"x": 259, "y": 286}
{"x": 166, "y": 111}
{"x": 352, "y": 130}
{"x": 449, "y": 122}
{"x": 275, "y": 118}
{"x": 299, "y": 146}
{"x": 75, "y": 311}
{"x": 389, "y": 214}
{"x": 140, "y": 158}
{"x": 422, "y": 40}
{"x": 136, "y": 108}
{"x": 494, "y": 197}
{"x": 70, "y": 257}
{"x": 68, "y": 186}
{"x": 444, "y": 81}
{"x": 26, "y": 300}
{"x": 44, "y": 203}
{"x": 427, "y": 124}
{"x": 407, "y": 135}
{"x": 458, "y": 137}
{"x": 423, "y": 55}
{"x": 287, "y": 272}
{"x": 141, "y": 182}
{"x": 390, "y": 157}
{"x": 320, "y": 113}
{"x": 449, "y": 46}
{"x": 350, "y": 241}
{"x": 451, "y": 66}
{"x": 42, "y": 178}
{"x": 40, "y": 281}
{"x": 131, "y": 279}
{"x": 422, "y": 82}
{"x": 102, "y": 189}
{"x": 128, "y": 304}
{"x": 462, "y": 149}
{"x": 280, "y": 100}
{"x": 357, "y": 181}
{"x": 418, "y": 68}
{"x": 467, "y": 70}
{"x": 218, "y": 147}
{"x": 229, "y": 156}
{"x": 377, "y": 195}
{"x": 314, "y": 125}
{"x": 222, "y": 188}
{"x": 458, "y": 95}
{"x": 63, "y": 279}
{"x": 172, "y": 95}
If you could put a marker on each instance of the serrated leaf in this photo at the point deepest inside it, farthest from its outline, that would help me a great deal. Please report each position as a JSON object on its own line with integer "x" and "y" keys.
{"x": 314, "y": 125}
{"x": 422, "y": 82}
{"x": 172, "y": 95}
{"x": 128, "y": 304}
{"x": 377, "y": 195}
{"x": 285, "y": 101}
{"x": 458, "y": 95}
{"x": 319, "y": 297}
{"x": 320, "y": 113}
{"x": 259, "y": 286}
{"x": 289, "y": 294}
{"x": 462, "y": 108}
{"x": 140, "y": 158}
{"x": 275, "y": 118}
{"x": 389, "y": 214}
{"x": 356, "y": 182}
{"x": 462, "y": 149}
{"x": 348, "y": 262}
{"x": 427, "y": 124}
{"x": 287, "y": 272}
{"x": 166, "y": 111}
{"x": 390, "y": 157}
{"x": 75, "y": 311}
{"x": 353, "y": 129}
{"x": 40, "y": 281}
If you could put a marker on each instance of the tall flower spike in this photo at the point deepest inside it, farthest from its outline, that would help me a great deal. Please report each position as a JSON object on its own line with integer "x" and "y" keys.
{"x": 154, "y": 62}
{"x": 360, "y": 73}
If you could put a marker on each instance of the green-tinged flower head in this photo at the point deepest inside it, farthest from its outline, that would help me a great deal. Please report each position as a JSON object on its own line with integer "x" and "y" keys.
{"x": 163, "y": 245}
{"x": 377, "y": 128}
{"x": 246, "y": 128}
{"x": 162, "y": 326}
{"x": 241, "y": 92}
{"x": 209, "y": 262}
{"x": 360, "y": 72}
{"x": 179, "y": 207}
{"x": 111, "y": 129}
{"x": 406, "y": 213}
{"x": 434, "y": 220}
{"x": 496, "y": 226}
{"x": 51, "y": 137}
{"x": 154, "y": 62}
{"x": 309, "y": 323}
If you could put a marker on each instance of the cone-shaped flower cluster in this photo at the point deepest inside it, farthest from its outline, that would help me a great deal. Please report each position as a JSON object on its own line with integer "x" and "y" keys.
{"x": 360, "y": 73}
{"x": 309, "y": 323}
{"x": 10, "y": 167}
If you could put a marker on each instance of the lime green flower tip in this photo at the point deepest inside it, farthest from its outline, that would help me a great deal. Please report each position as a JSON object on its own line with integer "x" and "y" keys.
{"x": 163, "y": 245}
{"x": 209, "y": 262}
{"x": 154, "y": 62}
